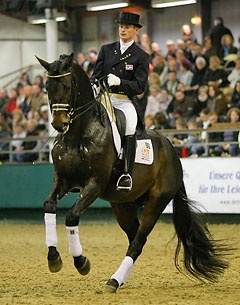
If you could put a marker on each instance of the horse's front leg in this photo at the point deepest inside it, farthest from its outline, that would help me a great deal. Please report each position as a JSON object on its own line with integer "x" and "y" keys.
{"x": 50, "y": 205}
{"x": 87, "y": 196}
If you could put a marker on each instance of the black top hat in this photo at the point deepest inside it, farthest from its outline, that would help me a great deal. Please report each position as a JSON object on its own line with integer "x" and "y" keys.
{"x": 129, "y": 18}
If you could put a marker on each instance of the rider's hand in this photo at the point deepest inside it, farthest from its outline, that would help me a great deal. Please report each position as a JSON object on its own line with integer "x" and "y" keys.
{"x": 113, "y": 80}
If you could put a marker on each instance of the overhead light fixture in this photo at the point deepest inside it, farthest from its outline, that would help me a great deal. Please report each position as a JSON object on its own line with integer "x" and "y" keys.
{"x": 41, "y": 19}
{"x": 106, "y": 5}
{"x": 170, "y": 3}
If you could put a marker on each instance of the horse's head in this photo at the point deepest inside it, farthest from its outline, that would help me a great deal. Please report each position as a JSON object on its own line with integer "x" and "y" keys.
{"x": 60, "y": 90}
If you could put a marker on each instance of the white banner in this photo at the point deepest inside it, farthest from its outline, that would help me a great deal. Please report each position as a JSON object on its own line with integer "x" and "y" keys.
{"x": 213, "y": 182}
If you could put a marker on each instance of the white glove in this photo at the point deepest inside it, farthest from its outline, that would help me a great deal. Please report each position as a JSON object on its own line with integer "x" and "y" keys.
{"x": 96, "y": 90}
{"x": 113, "y": 80}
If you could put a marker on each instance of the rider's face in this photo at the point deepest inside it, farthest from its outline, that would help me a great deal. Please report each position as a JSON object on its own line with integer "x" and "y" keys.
{"x": 127, "y": 32}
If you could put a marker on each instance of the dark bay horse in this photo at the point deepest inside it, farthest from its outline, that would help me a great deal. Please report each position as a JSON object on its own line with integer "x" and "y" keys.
{"x": 85, "y": 160}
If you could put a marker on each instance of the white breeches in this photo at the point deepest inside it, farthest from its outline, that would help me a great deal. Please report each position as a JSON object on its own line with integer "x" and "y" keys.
{"x": 126, "y": 106}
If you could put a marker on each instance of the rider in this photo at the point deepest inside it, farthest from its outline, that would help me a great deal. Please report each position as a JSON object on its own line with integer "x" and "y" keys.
{"x": 126, "y": 66}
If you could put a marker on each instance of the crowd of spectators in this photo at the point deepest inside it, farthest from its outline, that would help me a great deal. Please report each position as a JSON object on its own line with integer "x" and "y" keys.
{"x": 191, "y": 85}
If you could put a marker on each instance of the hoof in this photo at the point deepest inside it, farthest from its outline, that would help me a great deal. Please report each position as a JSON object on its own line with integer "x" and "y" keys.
{"x": 112, "y": 286}
{"x": 55, "y": 265}
{"x": 82, "y": 264}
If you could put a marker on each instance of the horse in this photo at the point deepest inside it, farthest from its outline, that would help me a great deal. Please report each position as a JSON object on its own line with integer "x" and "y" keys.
{"x": 85, "y": 160}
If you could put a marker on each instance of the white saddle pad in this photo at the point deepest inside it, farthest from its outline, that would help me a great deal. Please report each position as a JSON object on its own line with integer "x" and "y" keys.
{"x": 144, "y": 150}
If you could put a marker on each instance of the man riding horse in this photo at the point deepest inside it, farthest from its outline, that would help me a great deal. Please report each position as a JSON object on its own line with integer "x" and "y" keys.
{"x": 126, "y": 67}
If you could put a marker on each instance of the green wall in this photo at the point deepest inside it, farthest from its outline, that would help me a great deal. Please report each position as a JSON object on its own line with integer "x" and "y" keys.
{"x": 27, "y": 186}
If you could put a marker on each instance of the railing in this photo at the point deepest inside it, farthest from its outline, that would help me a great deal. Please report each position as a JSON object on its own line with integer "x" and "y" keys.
{"x": 11, "y": 79}
{"x": 42, "y": 148}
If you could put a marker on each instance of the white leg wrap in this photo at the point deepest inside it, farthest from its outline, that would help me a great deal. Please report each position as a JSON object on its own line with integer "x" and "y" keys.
{"x": 51, "y": 231}
{"x": 123, "y": 272}
{"x": 75, "y": 248}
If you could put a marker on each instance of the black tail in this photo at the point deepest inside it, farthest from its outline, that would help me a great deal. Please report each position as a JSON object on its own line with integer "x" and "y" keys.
{"x": 202, "y": 255}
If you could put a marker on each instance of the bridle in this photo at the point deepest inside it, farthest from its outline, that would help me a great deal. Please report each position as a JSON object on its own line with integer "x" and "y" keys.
{"x": 72, "y": 110}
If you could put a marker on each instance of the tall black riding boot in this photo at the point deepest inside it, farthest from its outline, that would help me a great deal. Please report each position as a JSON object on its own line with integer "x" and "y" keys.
{"x": 124, "y": 183}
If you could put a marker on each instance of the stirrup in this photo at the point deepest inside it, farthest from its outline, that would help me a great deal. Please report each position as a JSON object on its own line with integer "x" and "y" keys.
{"x": 121, "y": 187}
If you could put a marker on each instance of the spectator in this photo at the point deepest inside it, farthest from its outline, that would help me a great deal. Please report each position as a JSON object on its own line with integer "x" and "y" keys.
{"x": 171, "y": 83}
{"x": 215, "y": 74}
{"x": 202, "y": 98}
{"x": 146, "y": 43}
{"x": 185, "y": 75}
{"x": 11, "y": 103}
{"x": 19, "y": 132}
{"x": 198, "y": 75}
{"x": 82, "y": 60}
{"x": 234, "y": 75}
{"x": 24, "y": 79}
{"x": 37, "y": 98}
{"x": 180, "y": 56}
{"x": 161, "y": 121}
{"x": 153, "y": 100}
{"x": 3, "y": 98}
{"x": 171, "y": 50}
{"x": 26, "y": 104}
{"x": 4, "y": 133}
{"x": 217, "y": 101}
{"x": 227, "y": 47}
{"x": 155, "y": 49}
{"x": 21, "y": 95}
{"x": 18, "y": 117}
{"x": 44, "y": 116}
{"x": 40, "y": 82}
{"x": 216, "y": 33}
{"x": 20, "y": 155}
{"x": 187, "y": 33}
{"x": 154, "y": 79}
{"x": 235, "y": 99}
{"x": 233, "y": 116}
{"x": 92, "y": 58}
{"x": 159, "y": 65}
{"x": 149, "y": 121}
{"x": 4, "y": 122}
{"x": 184, "y": 106}
{"x": 208, "y": 49}
{"x": 193, "y": 138}
{"x": 165, "y": 99}
{"x": 180, "y": 138}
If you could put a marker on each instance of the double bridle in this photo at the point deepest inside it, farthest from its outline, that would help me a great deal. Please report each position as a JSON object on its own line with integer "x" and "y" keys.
{"x": 72, "y": 111}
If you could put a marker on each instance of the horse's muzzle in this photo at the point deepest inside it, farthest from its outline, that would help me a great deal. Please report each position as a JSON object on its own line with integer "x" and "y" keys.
{"x": 61, "y": 122}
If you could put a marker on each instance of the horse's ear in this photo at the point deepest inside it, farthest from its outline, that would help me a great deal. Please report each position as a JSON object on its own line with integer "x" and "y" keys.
{"x": 70, "y": 60}
{"x": 43, "y": 63}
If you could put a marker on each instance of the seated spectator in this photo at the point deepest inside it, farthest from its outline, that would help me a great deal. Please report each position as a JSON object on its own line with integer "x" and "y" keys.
{"x": 25, "y": 106}
{"x": 193, "y": 138}
{"x": 3, "y": 98}
{"x": 4, "y": 122}
{"x": 161, "y": 121}
{"x": 217, "y": 101}
{"x": 92, "y": 58}
{"x": 37, "y": 98}
{"x": 171, "y": 50}
{"x": 149, "y": 121}
{"x": 165, "y": 99}
{"x": 202, "y": 98}
{"x": 185, "y": 74}
{"x": 198, "y": 75}
{"x": 18, "y": 117}
{"x": 160, "y": 66}
{"x": 154, "y": 79}
{"x": 180, "y": 138}
{"x": 180, "y": 56}
{"x": 82, "y": 60}
{"x": 40, "y": 82}
{"x": 24, "y": 79}
{"x": 4, "y": 133}
{"x": 171, "y": 83}
{"x": 208, "y": 49}
{"x": 183, "y": 106}
{"x": 215, "y": 74}
{"x": 11, "y": 103}
{"x": 227, "y": 47}
{"x": 19, "y": 132}
{"x": 234, "y": 75}
{"x": 153, "y": 100}
{"x": 20, "y": 155}
{"x": 155, "y": 49}
{"x": 21, "y": 94}
{"x": 233, "y": 116}
{"x": 235, "y": 99}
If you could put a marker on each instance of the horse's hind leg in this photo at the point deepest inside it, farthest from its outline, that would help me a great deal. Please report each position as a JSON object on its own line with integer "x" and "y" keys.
{"x": 137, "y": 235}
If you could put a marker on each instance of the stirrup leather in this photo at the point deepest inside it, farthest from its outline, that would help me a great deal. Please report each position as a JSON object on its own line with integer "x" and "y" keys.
{"x": 124, "y": 188}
